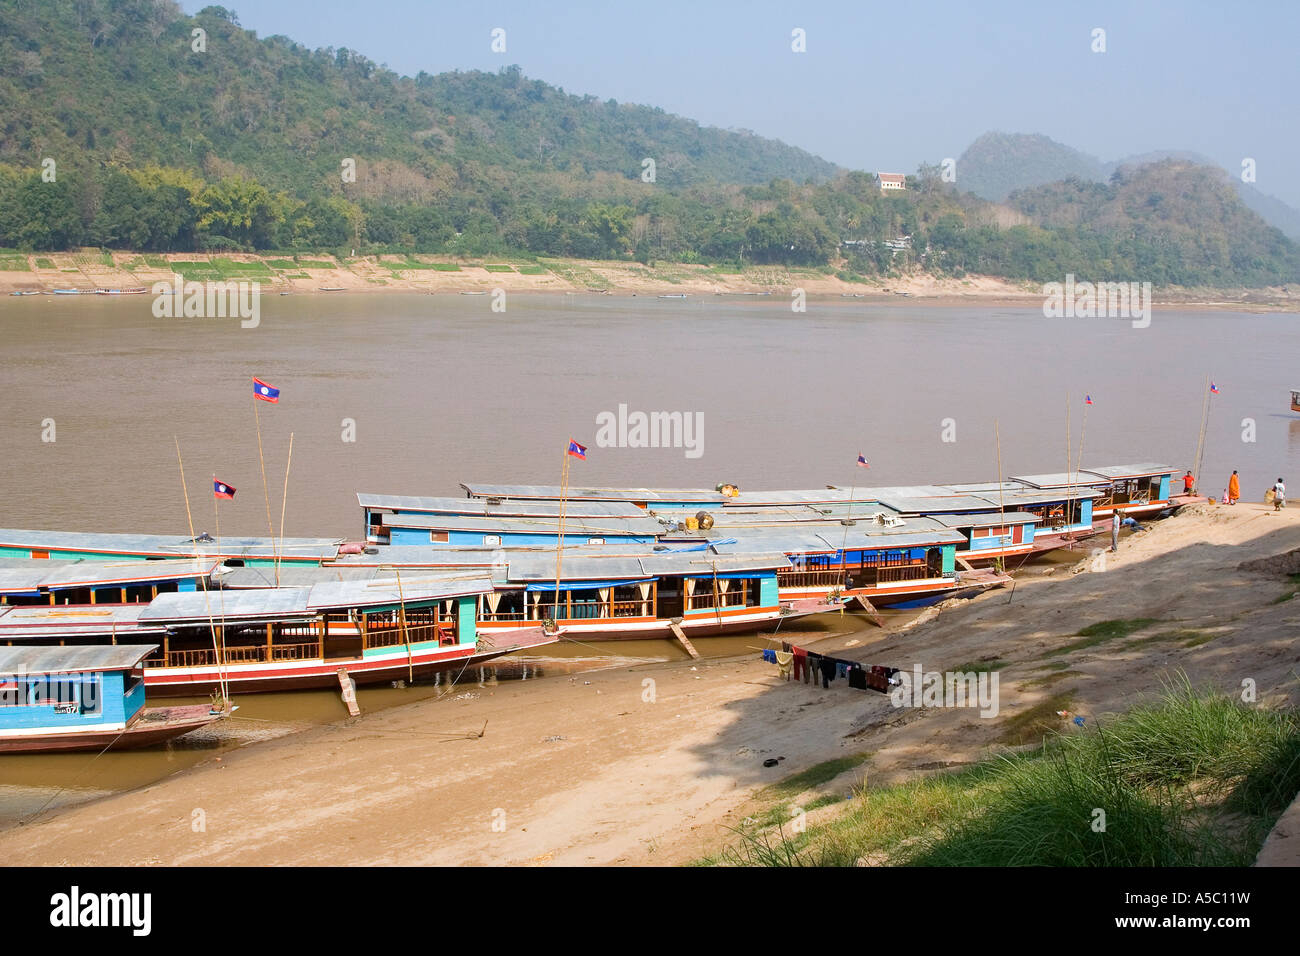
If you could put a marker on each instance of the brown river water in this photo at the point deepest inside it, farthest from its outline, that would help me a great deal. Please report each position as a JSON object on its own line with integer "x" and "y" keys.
{"x": 436, "y": 390}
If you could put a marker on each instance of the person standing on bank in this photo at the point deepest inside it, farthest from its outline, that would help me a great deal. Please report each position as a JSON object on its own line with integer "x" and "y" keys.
{"x": 1279, "y": 495}
{"x": 1114, "y": 530}
{"x": 1234, "y": 488}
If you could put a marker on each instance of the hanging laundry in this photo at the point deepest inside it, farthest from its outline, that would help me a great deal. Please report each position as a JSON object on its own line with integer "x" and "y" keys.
{"x": 784, "y": 661}
{"x": 827, "y": 665}
{"x": 769, "y": 656}
{"x": 857, "y": 678}
{"x": 800, "y": 664}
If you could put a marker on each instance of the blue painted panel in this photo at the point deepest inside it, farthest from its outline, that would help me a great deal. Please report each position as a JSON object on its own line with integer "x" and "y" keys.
{"x": 767, "y": 590}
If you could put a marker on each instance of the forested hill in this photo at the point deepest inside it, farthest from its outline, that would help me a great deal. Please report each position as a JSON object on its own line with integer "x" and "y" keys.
{"x": 116, "y": 132}
{"x": 118, "y": 79}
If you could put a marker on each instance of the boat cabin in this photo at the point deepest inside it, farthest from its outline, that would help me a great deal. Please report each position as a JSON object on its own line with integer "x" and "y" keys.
{"x": 883, "y": 556}
{"x": 632, "y": 589}
{"x": 27, "y": 581}
{"x": 491, "y": 531}
{"x": 233, "y": 551}
{"x": 69, "y": 690}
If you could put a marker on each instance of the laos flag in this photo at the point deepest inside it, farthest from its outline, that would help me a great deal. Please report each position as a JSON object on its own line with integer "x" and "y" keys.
{"x": 576, "y": 450}
{"x": 222, "y": 490}
{"x": 267, "y": 393}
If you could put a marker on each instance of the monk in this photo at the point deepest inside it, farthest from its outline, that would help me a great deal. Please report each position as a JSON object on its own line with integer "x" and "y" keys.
{"x": 1234, "y": 489}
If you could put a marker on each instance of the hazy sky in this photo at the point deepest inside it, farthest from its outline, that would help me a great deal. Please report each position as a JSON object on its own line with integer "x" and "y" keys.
{"x": 882, "y": 86}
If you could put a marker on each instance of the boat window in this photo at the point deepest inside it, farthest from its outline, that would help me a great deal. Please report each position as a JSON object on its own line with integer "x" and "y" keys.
{"x": 491, "y": 540}
{"x": 438, "y": 537}
{"x": 595, "y": 541}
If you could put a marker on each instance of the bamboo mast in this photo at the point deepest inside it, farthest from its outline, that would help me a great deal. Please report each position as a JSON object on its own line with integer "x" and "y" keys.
{"x": 216, "y": 514}
{"x": 207, "y": 603}
{"x": 284, "y": 504}
{"x": 844, "y": 543}
{"x": 1002, "y": 509}
{"x": 266, "y": 493}
{"x": 406, "y": 634}
{"x": 1200, "y": 438}
{"x": 559, "y": 541}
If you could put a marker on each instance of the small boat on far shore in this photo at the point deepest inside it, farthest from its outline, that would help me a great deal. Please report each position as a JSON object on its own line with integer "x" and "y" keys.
{"x": 133, "y": 290}
{"x": 1295, "y": 399}
{"x": 85, "y": 698}
{"x": 64, "y": 292}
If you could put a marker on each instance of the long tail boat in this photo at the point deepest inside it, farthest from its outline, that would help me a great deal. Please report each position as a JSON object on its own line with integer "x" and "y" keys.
{"x": 395, "y": 628}
{"x": 85, "y": 698}
{"x": 604, "y": 594}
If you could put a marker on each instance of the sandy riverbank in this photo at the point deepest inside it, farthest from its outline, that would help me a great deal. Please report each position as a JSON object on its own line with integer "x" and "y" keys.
{"x": 315, "y": 273}
{"x": 604, "y": 768}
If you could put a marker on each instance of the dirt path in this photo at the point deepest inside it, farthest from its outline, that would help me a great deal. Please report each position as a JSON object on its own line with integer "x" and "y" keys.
{"x": 604, "y": 768}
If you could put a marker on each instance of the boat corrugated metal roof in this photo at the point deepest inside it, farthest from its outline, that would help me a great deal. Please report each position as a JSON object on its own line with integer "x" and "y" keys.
{"x": 931, "y": 505}
{"x": 783, "y": 514}
{"x": 415, "y": 589}
{"x": 41, "y": 574}
{"x": 509, "y": 507}
{"x": 168, "y": 545}
{"x": 539, "y": 568}
{"x": 759, "y": 499}
{"x": 580, "y": 493}
{"x": 986, "y": 519}
{"x": 291, "y": 576}
{"x": 795, "y": 539}
{"x": 428, "y": 556}
{"x": 1035, "y": 496}
{"x": 1057, "y": 479}
{"x": 1141, "y": 470}
{"x": 700, "y": 562}
{"x": 91, "y": 657}
{"x": 258, "y": 605}
{"x": 494, "y": 524}
{"x": 46, "y": 622}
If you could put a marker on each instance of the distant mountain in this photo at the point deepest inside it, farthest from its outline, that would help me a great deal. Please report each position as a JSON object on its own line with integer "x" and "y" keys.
{"x": 1174, "y": 222}
{"x": 997, "y": 164}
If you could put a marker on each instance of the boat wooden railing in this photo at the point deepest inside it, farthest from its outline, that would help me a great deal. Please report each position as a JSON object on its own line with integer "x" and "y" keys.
{"x": 638, "y": 608}
{"x": 577, "y": 610}
{"x": 914, "y": 572}
{"x": 295, "y": 652}
{"x": 809, "y": 577}
{"x": 706, "y": 602}
{"x": 415, "y": 634}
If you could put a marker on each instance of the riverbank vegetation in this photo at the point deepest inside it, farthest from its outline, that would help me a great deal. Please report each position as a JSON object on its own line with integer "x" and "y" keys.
{"x": 256, "y": 144}
{"x": 1195, "y": 779}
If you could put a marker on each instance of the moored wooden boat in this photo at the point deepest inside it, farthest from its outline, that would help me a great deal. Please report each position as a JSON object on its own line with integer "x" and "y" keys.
{"x": 284, "y": 638}
{"x": 85, "y": 698}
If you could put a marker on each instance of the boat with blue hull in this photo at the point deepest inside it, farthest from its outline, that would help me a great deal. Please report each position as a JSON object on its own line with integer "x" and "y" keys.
{"x": 56, "y": 699}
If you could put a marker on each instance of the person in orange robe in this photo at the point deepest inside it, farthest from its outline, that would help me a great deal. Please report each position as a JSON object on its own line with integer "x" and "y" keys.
{"x": 1234, "y": 489}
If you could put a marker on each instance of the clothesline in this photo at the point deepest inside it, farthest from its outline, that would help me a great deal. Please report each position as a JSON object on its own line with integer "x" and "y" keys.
{"x": 798, "y": 663}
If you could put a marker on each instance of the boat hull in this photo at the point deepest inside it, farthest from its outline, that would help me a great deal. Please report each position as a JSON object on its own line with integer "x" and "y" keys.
{"x": 397, "y": 664}
{"x": 154, "y": 726}
{"x": 729, "y": 621}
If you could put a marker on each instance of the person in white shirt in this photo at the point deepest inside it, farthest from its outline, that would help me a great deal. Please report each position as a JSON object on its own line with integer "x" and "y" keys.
{"x": 1279, "y": 495}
